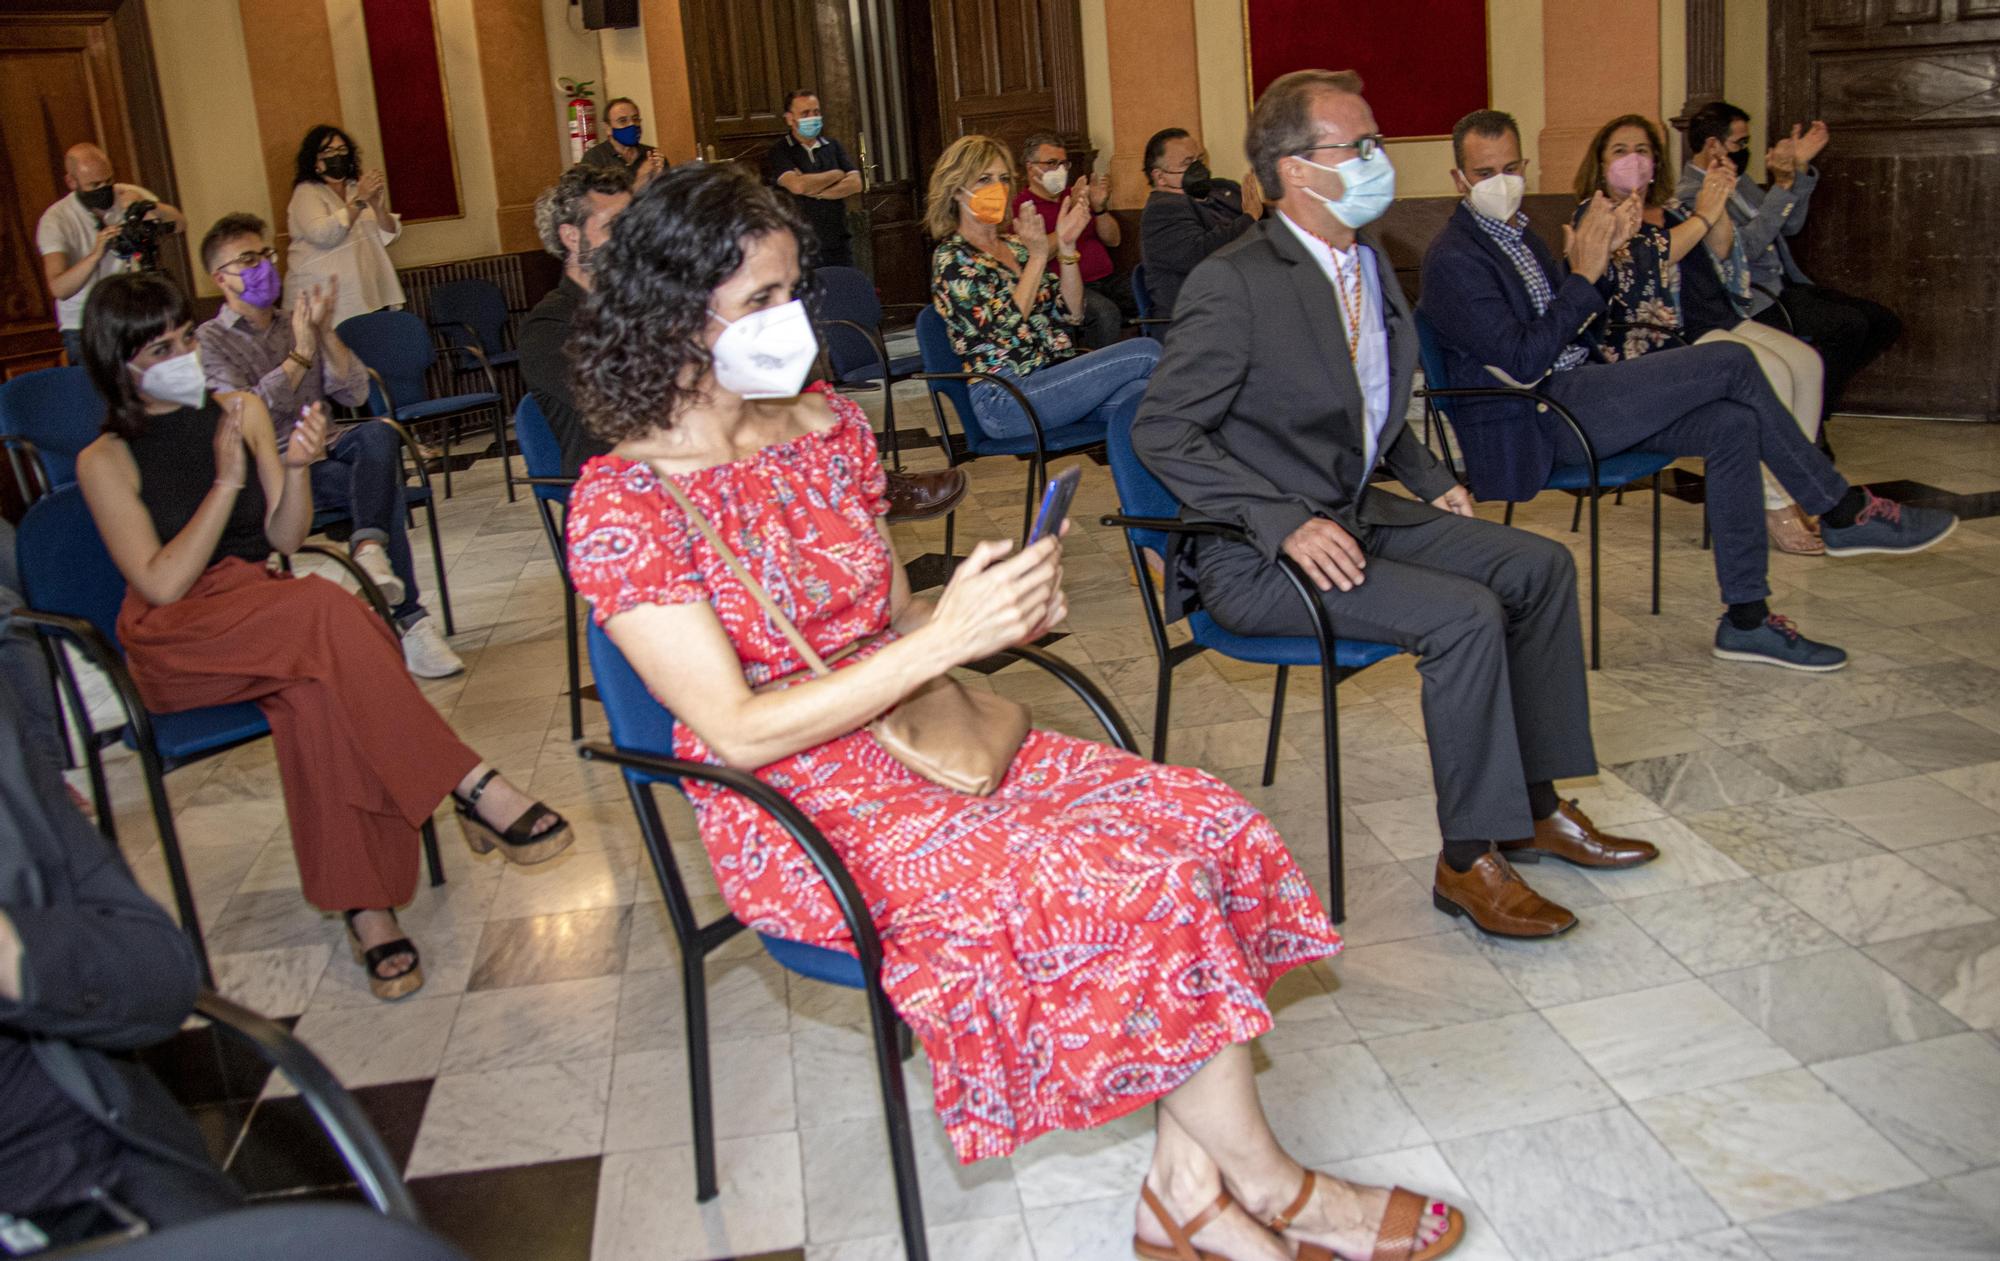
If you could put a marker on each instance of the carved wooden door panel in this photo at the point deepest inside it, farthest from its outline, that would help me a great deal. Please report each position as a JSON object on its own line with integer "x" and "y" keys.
{"x": 744, "y": 56}
{"x": 1906, "y": 210}
{"x": 1008, "y": 68}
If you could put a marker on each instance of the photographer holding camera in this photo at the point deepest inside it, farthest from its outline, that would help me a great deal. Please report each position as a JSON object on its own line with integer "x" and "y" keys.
{"x": 99, "y": 229}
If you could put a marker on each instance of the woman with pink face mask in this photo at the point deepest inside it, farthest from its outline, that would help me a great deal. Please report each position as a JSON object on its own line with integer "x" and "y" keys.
{"x": 1682, "y": 276}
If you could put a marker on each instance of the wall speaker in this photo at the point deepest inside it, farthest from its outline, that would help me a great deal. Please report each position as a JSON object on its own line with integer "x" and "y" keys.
{"x": 599, "y": 15}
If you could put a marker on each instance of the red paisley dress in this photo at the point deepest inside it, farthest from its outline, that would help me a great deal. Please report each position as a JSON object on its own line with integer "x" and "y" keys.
{"x": 1067, "y": 949}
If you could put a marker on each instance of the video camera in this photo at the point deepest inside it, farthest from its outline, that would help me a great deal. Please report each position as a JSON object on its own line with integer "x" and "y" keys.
{"x": 138, "y": 237}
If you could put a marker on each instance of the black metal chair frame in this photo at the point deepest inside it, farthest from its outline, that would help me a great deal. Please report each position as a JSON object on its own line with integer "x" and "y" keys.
{"x": 1038, "y": 463}
{"x": 415, "y": 455}
{"x": 697, "y": 940}
{"x": 555, "y": 516}
{"x": 1169, "y": 655}
{"x": 889, "y": 381}
{"x": 346, "y": 1126}
{"x": 100, "y": 653}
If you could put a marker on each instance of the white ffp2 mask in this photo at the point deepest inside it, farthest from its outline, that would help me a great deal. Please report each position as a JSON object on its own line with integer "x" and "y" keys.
{"x": 177, "y": 380}
{"x": 767, "y": 353}
{"x": 1497, "y": 197}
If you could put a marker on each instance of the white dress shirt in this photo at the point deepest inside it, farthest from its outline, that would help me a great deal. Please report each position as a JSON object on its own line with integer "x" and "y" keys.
{"x": 1371, "y": 356}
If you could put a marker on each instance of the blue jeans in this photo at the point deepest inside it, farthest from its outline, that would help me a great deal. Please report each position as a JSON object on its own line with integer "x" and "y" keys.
{"x": 362, "y": 476}
{"x": 1102, "y": 384}
{"x": 73, "y": 346}
{"x": 1712, "y": 401}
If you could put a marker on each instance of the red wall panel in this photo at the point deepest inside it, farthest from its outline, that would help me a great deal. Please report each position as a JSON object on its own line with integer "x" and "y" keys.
{"x": 410, "y": 102}
{"x": 1423, "y": 61}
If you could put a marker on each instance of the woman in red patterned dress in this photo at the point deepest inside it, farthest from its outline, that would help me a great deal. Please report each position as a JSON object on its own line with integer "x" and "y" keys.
{"x": 1097, "y": 934}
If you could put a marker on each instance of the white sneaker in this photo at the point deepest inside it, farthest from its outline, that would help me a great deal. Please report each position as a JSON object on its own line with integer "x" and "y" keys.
{"x": 426, "y": 652}
{"x": 374, "y": 561}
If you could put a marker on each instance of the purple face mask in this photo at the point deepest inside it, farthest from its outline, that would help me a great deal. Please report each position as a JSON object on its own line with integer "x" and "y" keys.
{"x": 261, "y": 285}
{"x": 1629, "y": 173}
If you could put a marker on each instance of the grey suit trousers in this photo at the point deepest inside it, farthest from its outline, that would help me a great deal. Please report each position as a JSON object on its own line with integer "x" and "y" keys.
{"x": 1491, "y": 614}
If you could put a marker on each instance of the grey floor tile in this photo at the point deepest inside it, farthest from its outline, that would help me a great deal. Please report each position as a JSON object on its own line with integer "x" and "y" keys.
{"x": 1939, "y": 1100}
{"x": 1832, "y": 1005}
{"x": 1921, "y": 1223}
{"x": 1734, "y": 925}
{"x": 646, "y": 1210}
{"x": 1604, "y": 954}
{"x": 1490, "y": 1075}
{"x": 1971, "y": 866}
{"x": 1717, "y": 1245}
{"x": 1902, "y": 813}
{"x": 1423, "y": 983}
{"x": 1658, "y": 1042}
{"x": 1877, "y": 899}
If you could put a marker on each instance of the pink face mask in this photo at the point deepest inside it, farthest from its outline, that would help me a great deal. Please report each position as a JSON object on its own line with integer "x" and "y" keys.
{"x": 1629, "y": 173}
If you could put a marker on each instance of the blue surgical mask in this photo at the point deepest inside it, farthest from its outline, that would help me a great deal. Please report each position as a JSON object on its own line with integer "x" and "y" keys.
{"x": 810, "y": 127}
{"x": 627, "y": 136}
{"x": 1370, "y": 185}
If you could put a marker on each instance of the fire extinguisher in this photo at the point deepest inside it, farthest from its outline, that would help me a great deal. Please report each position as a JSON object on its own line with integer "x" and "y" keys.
{"x": 582, "y": 117}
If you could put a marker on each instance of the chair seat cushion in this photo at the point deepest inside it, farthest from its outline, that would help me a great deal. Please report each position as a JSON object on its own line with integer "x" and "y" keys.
{"x": 1615, "y": 470}
{"x": 1284, "y": 650}
{"x": 448, "y": 405}
{"x": 835, "y": 967}
{"x": 900, "y": 366}
{"x": 1084, "y": 433}
{"x": 193, "y": 732}
{"x": 466, "y": 363}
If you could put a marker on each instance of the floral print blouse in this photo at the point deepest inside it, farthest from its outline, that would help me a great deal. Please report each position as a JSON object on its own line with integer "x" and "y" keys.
{"x": 975, "y": 295}
{"x": 1647, "y": 288}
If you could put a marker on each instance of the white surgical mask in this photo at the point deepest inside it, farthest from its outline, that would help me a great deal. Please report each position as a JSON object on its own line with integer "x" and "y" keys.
{"x": 767, "y": 353}
{"x": 1055, "y": 181}
{"x": 1369, "y": 184}
{"x": 177, "y": 380}
{"x": 1497, "y": 196}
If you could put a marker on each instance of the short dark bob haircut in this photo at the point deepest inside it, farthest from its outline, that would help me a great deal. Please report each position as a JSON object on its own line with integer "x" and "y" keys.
{"x": 638, "y": 351}
{"x": 125, "y": 312}
{"x": 305, "y": 167}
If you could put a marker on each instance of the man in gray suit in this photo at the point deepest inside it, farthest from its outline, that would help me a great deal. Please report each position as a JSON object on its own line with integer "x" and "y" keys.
{"x": 1282, "y": 387}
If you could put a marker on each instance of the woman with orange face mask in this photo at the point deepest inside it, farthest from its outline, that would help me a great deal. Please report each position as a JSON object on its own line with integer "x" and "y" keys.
{"x": 1012, "y": 296}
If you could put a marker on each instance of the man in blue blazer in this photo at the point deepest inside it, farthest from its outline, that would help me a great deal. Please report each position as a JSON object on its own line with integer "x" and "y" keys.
{"x": 1507, "y": 313}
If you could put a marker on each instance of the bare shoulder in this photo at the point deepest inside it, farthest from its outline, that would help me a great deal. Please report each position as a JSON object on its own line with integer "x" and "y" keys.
{"x": 106, "y": 462}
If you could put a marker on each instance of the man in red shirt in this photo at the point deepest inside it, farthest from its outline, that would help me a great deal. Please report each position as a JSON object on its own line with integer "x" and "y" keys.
{"x": 1047, "y": 185}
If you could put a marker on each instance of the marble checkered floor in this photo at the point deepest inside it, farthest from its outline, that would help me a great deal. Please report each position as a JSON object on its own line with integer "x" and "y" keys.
{"x": 1780, "y": 1041}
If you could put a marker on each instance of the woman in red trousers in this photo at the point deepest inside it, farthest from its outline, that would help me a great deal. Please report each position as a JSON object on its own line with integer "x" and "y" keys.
{"x": 192, "y": 496}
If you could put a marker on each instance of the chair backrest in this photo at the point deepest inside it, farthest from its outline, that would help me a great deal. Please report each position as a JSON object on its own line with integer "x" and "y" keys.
{"x": 934, "y": 345}
{"x": 1430, "y": 353}
{"x": 1140, "y": 494}
{"x": 64, "y": 565}
{"x": 1142, "y": 297}
{"x": 846, "y": 293}
{"x": 472, "y": 301}
{"x": 398, "y": 347}
{"x": 639, "y": 723}
{"x": 539, "y": 449}
{"x": 58, "y": 410}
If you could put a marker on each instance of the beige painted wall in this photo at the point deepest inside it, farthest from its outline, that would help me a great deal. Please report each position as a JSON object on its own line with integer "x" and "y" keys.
{"x": 574, "y": 53}
{"x": 211, "y": 116}
{"x": 1746, "y": 72}
{"x": 627, "y": 73}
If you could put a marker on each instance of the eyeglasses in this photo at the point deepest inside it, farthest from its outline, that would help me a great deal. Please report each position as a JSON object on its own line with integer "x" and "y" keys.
{"x": 250, "y": 258}
{"x": 1364, "y": 147}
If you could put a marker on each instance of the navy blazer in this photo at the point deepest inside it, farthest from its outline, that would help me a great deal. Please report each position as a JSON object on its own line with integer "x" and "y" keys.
{"x": 1483, "y": 314}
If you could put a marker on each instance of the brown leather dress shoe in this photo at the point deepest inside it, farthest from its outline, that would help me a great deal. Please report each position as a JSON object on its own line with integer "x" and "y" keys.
{"x": 1495, "y": 898}
{"x": 1569, "y": 834}
{"x": 921, "y": 496}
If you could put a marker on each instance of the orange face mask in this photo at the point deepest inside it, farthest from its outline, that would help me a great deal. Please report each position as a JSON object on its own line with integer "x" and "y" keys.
{"x": 988, "y": 204}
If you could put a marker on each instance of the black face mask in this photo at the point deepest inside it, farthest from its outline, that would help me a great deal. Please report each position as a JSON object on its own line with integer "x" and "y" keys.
{"x": 1741, "y": 159}
{"x": 339, "y": 167}
{"x": 98, "y": 200}
{"x": 1196, "y": 181}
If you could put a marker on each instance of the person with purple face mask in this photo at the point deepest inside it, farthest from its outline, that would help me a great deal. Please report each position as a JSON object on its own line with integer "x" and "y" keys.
{"x": 292, "y": 360}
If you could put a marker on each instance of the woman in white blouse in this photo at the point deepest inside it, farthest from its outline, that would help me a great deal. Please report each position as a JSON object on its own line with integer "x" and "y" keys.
{"x": 340, "y": 227}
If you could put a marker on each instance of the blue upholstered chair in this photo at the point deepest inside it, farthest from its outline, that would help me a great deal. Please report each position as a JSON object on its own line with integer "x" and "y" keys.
{"x": 398, "y": 352}
{"x": 56, "y": 409}
{"x": 1588, "y": 481}
{"x": 1150, "y": 517}
{"x": 848, "y": 313}
{"x": 642, "y": 732}
{"x": 543, "y": 455}
{"x": 73, "y": 593}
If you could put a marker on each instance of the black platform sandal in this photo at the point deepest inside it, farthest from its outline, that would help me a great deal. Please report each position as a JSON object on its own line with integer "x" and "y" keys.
{"x": 372, "y": 958}
{"x": 520, "y": 843}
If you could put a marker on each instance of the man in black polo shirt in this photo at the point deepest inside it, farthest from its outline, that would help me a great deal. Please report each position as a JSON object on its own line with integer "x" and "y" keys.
{"x": 816, "y": 171}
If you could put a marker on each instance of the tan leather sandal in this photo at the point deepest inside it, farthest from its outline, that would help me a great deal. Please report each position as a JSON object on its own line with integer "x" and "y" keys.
{"x": 1792, "y": 532}
{"x": 1182, "y": 1233}
{"x": 1395, "y": 1240}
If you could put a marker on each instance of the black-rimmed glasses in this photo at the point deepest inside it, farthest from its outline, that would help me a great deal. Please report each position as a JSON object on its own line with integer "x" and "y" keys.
{"x": 1364, "y": 147}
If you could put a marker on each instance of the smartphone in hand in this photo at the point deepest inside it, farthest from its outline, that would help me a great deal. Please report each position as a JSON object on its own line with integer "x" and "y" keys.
{"x": 1055, "y": 503}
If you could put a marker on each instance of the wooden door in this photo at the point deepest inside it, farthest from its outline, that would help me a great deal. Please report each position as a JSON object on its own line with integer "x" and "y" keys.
{"x": 1905, "y": 211}
{"x": 744, "y": 56}
{"x": 1008, "y": 68}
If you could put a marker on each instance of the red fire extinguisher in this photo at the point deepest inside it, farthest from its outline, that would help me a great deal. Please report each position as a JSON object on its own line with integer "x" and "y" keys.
{"x": 582, "y": 117}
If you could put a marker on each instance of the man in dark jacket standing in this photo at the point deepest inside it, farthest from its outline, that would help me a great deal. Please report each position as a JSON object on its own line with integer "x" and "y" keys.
{"x": 1284, "y": 384}
{"x": 1188, "y": 216}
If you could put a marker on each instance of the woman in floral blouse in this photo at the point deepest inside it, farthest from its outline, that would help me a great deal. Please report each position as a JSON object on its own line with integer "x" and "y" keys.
{"x": 1708, "y": 300}
{"x": 1009, "y": 310}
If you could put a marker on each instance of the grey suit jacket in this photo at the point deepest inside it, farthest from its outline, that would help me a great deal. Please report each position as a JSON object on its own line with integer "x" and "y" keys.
{"x": 1254, "y": 416}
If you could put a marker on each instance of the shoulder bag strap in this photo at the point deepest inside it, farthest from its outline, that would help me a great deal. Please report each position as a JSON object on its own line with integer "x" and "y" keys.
{"x": 756, "y": 589}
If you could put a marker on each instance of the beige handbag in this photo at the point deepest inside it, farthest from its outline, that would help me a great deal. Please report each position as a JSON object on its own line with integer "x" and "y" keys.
{"x": 944, "y": 731}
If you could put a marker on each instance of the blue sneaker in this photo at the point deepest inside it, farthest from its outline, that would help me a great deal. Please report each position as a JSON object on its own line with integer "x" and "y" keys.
{"x": 1884, "y": 525}
{"x": 1777, "y": 643}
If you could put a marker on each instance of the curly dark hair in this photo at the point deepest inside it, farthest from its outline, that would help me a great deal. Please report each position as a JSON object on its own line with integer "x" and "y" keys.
{"x": 126, "y": 311}
{"x": 305, "y": 167}
{"x": 638, "y": 348}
